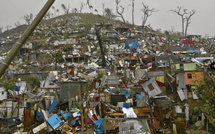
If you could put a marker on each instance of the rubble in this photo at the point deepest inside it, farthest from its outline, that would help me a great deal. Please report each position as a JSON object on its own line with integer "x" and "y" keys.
{"x": 146, "y": 86}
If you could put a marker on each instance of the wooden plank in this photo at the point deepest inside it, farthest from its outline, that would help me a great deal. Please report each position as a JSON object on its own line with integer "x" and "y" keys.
{"x": 142, "y": 110}
{"x": 156, "y": 123}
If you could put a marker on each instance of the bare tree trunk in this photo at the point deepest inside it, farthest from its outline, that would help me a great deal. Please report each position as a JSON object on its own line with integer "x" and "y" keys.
{"x": 182, "y": 18}
{"x": 120, "y": 13}
{"x": 144, "y": 21}
{"x": 188, "y": 20}
{"x": 187, "y": 25}
{"x": 181, "y": 13}
{"x": 103, "y": 8}
{"x": 146, "y": 12}
{"x": 133, "y": 12}
{"x": 123, "y": 19}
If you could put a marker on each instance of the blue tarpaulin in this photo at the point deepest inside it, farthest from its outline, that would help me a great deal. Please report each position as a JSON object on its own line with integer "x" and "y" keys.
{"x": 126, "y": 93}
{"x": 111, "y": 92}
{"x": 187, "y": 58}
{"x": 28, "y": 40}
{"x": 128, "y": 35}
{"x": 98, "y": 126}
{"x": 138, "y": 96}
{"x": 17, "y": 88}
{"x": 193, "y": 51}
{"x": 54, "y": 104}
{"x": 126, "y": 105}
{"x": 40, "y": 116}
{"x": 166, "y": 38}
{"x": 66, "y": 115}
{"x": 127, "y": 96}
{"x": 54, "y": 121}
{"x": 75, "y": 122}
{"x": 140, "y": 30}
{"x": 131, "y": 45}
{"x": 38, "y": 76}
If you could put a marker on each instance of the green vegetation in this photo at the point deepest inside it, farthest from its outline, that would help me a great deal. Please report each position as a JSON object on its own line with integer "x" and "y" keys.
{"x": 33, "y": 81}
{"x": 8, "y": 84}
{"x": 100, "y": 75}
{"x": 205, "y": 92}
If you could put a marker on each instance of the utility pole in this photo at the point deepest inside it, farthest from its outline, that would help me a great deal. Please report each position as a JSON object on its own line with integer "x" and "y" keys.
{"x": 13, "y": 52}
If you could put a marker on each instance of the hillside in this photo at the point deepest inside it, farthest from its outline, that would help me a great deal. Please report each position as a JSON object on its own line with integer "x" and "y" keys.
{"x": 17, "y": 30}
{"x": 86, "y": 18}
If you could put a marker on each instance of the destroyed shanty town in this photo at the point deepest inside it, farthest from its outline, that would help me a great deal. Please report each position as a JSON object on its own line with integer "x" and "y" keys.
{"x": 97, "y": 73}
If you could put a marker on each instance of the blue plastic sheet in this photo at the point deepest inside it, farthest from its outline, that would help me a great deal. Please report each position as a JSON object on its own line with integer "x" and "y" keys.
{"x": 127, "y": 95}
{"x": 54, "y": 104}
{"x": 40, "y": 116}
{"x": 54, "y": 121}
{"x": 98, "y": 126}
{"x": 193, "y": 51}
{"x": 17, "y": 88}
{"x": 126, "y": 105}
{"x": 66, "y": 115}
{"x": 75, "y": 122}
{"x": 138, "y": 96}
{"x": 111, "y": 92}
{"x": 128, "y": 35}
{"x": 38, "y": 76}
{"x": 131, "y": 45}
{"x": 187, "y": 58}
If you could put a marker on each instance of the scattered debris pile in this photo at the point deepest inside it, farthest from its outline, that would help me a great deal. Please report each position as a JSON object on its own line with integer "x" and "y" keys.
{"x": 57, "y": 82}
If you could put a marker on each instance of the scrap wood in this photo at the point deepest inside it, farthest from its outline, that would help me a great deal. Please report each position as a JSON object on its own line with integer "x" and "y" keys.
{"x": 116, "y": 114}
{"x": 142, "y": 110}
{"x": 156, "y": 124}
{"x": 66, "y": 128}
{"x": 168, "y": 114}
{"x": 196, "y": 132}
{"x": 39, "y": 128}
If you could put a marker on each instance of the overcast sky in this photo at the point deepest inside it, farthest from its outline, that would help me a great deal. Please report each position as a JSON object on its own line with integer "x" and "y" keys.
{"x": 203, "y": 22}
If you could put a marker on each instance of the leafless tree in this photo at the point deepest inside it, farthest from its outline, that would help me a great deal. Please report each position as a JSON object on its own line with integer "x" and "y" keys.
{"x": 122, "y": 10}
{"x": 88, "y": 2}
{"x": 1, "y": 29}
{"x": 109, "y": 13}
{"x": 81, "y": 7}
{"x": 17, "y": 24}
{"x": 28, "y": 18}
{"x": 182, "y": 14}
{"x": 147, "y": 12}
{"x": 57, "y": 10}
{"x": 48, "y": 15}
{"x": 8, "y": 27}
{"x": 96, "y": 10}
{"x": 54, "y": 10}
{"x": 65, "y": 9}
{"x": 90, "y": 6}
{"x": 52, "y": 15}
{"x": 103, "y": 8}
{"x": 187, "y": 19}
{"x": 74, "y": 10}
